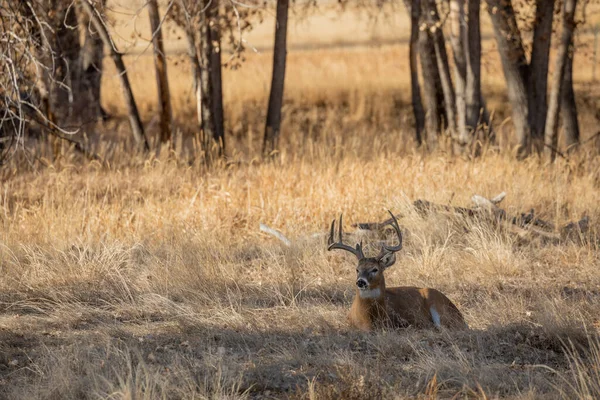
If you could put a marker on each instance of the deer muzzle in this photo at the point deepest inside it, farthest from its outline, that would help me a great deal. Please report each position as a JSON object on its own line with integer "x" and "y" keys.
{"x": 362, "y": 283}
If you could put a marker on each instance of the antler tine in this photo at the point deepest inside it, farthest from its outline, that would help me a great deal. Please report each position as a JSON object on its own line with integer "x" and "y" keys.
{"x": 340, "y": 245}
{"x": 396, "y": 227}
{"x": 330, "y": 239}
{"x": 359, "y": 248}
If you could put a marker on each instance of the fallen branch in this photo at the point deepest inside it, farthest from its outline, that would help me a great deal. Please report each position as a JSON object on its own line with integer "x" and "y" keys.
{"x": 526, "y": 224}
{"x": 425, "y": 207}
{"x": 372, "y": 226}
{"x": 276, "y": 233}
{"x": 573, "y": 230}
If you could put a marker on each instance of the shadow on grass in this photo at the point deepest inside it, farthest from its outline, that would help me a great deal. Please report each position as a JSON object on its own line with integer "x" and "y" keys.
{"x": 42, "y": 342}
{"x": 284, "y": 363}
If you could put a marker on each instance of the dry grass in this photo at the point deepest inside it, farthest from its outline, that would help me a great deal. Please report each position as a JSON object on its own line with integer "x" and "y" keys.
{"x": 149, "y": 278}
{"x": 156, "y": 280}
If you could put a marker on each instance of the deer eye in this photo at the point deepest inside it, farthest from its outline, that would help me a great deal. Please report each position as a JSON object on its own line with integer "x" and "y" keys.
{"x": 374, "y": 270}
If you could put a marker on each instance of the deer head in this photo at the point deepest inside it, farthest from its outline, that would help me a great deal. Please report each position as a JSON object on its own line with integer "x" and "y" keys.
{"x": 369, "y": 271}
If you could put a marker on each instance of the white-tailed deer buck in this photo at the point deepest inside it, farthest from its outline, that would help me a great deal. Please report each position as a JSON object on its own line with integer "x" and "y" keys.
{"x": 377, "y": 306}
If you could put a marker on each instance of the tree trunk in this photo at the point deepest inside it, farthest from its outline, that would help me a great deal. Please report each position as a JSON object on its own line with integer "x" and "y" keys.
{"x": 568, "y": 107}
{"x": 439, "y": 43}
{"x": 414, "y": 7}
{"x": 514, "y": 64}
{"x": 160, "y": 65}
{"x": 538, "y": 70}
{"x": 134, "y": 116}
{"x": 473, "y": 96}
{"x": 60, "y": 57}
{"x": 43, "y": 54}
{"x": 431, "y": 88}
{"x": 562, "y": 54}
{"x": 90, "y": 68}
{"x": 215, "y": 71}
{"x": 194, "y": 61}
{"x": 69, "y": 79}
{"x": 209, "y": 138}
{"x": 273, "y": 125}
{"x": 458, "y": 37}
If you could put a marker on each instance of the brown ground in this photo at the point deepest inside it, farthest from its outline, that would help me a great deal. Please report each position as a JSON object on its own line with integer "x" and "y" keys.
{"x": 150, "y": 279}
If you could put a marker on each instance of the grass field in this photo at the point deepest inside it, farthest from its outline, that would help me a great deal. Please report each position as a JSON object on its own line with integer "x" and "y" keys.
{"x": 149, "y": 278}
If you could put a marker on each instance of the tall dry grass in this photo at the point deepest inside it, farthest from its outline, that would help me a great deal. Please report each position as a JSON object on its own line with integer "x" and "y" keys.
{"x": 148, "y": 277}
{"x": 155, "y": 280}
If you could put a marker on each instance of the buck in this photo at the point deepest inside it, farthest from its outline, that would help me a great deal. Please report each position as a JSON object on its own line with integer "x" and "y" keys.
{"x": 375, "y": 305}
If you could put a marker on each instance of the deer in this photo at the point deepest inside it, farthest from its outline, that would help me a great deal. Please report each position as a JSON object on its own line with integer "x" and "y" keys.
{"x": 377, "y": 306}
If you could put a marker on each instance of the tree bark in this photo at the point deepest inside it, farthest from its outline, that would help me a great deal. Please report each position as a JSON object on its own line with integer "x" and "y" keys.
{"x": 160, "y": 65}
{"x": 273, "y": 125}
{"x": 538, "y": 70}
{"x": 458, "y": 37}
{"x": 206, "y": 88}
{"x": 64, "y": 82}
{"x": 568, "y": 106}
{"x": 431, "y": 88}
{"x": 439, "y": 44}
{"x": 215, "y": 71}
{"x": 90, "y": 68}
{"x": 551, "y": 131}
{"x": 515, "y": 67}
{"x": 70, "y": 73}
{"x": 194, "y": 60}
{"x": 473, "y": 95}
{"x": 58, "y": 52}
{"x": 134, "y": 116}
{"x": 414, "y": 6}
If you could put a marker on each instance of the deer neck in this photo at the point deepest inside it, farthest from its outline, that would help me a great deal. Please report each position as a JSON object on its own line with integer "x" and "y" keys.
{"x": 371, "y": 302}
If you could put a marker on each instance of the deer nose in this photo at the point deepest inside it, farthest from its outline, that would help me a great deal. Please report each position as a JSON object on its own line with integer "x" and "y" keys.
{"x": 361, "y": 283}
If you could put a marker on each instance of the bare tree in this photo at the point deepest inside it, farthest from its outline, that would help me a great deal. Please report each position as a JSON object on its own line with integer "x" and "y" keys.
{"x": 538, "y": 69}
{"x": 44, "y": 87}
{"x": 201, "y": 23}
{"x": 214, "y": 19}
{"x": 57, "y": 48}
{"x": 562, "y": 56}
{"x": 160, "y": 65}
{"x": 515, "y": 66}
{"x": 457, "y": 39}
{"x": 134, "y": 116}
{"x": 209, "y": 132}
{"x": 184, "y": 17}
{"x": 90, "y": 69}
{"x": 434, "y": 24}
{"x": 206, "y": 25}
{"x": 432, "y": 92}
{"x": 415, "y": 12}
{"x": 476, "y": 110}
{"x": 273, "y": 124}
{"x": 568, "y": 106}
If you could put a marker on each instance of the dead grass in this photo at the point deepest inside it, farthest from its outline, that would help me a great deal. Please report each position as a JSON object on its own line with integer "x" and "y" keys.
{"x": 149, "y": 278}
{"x": 155, "y": 282}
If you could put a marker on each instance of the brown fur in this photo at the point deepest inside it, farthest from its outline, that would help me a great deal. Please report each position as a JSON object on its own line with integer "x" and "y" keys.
{"x": 399, "y": 307}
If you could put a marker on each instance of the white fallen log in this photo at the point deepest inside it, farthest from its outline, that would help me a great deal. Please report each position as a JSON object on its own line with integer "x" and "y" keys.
{"x": 276, "y": 233}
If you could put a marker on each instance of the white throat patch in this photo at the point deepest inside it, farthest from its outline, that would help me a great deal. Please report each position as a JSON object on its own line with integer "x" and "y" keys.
{"x": 369, "y": 293}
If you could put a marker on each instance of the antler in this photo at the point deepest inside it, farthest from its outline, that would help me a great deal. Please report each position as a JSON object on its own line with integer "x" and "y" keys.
{"x": 398, "y": 247}
{"x": 340, "y": 245}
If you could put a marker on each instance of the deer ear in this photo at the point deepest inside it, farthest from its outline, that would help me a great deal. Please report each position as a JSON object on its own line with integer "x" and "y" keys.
{"x": 387, "y": 259}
